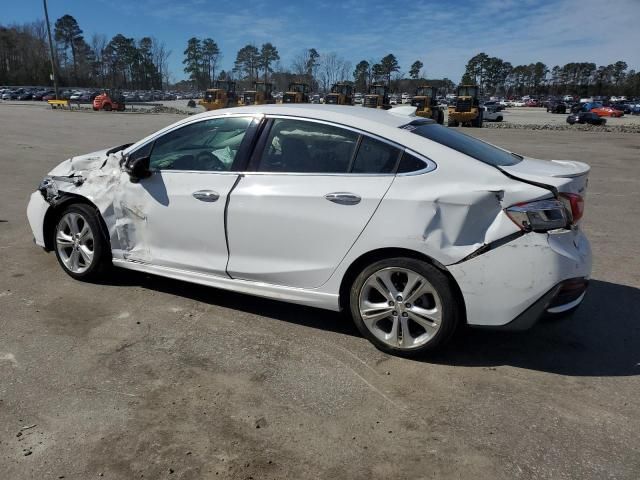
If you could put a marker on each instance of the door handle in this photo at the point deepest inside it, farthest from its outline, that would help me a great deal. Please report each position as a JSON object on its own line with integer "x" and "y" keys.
{"x": 343, "y": 198}
{"x": 206, "y": 195}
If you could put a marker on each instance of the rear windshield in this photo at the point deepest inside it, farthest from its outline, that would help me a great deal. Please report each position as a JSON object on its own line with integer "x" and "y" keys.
{"x": 463, "y": 143}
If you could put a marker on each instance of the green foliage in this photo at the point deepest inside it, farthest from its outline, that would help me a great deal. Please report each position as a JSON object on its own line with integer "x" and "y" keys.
{"x": 416, "y": 68}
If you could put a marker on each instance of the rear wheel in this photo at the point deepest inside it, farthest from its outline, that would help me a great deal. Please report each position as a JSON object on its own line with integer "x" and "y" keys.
{"x": 452, "y": 123}
{"x": 81, "y": 246}
{"x": 106, "y": 107}
{"x": 404, "y": 306}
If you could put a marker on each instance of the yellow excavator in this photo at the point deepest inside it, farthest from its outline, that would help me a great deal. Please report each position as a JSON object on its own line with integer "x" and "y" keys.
{"x": 341, "y": 94}
{"x": 296, "y": 93}
{"x": 466, "y": 111}
{"x": 426, "y": 104}
{"x": 222, "y": 95}
{"x": 378, "y": 97}
{"x": 260, "y": 94}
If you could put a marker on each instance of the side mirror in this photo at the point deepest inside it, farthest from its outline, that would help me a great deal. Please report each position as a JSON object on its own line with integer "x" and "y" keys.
{"x": 139, "y": 169}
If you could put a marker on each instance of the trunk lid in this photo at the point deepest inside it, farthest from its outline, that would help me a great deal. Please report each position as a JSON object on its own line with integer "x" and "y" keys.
{"x": 566, "y": 176}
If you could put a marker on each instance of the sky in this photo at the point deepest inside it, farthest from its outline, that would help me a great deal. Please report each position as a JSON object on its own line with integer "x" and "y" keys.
{"x": 442, "y": 34}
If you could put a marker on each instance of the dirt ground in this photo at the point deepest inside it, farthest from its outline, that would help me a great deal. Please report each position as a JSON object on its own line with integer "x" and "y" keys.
{"x": 144, "y": 377}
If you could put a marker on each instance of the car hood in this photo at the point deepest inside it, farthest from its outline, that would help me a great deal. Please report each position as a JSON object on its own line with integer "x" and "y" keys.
{"x": 83, "y": 163}
{"x": 564, "y": 175}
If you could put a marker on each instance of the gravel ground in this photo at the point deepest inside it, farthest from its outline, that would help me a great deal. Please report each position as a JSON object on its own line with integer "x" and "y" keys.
{"x": 142, "y": 377}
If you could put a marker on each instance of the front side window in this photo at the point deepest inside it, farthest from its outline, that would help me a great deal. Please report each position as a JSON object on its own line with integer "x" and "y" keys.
{"x": 298, "y": 146}
{"x": 209, "y": 145}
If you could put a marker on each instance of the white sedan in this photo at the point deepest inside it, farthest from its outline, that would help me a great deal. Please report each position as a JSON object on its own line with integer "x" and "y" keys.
{"x": 412, "y": 227}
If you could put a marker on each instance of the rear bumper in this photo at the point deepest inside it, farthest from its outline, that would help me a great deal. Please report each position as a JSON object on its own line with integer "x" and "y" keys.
{"x": 555, "y": 301}
{"x": 515, "y": 284}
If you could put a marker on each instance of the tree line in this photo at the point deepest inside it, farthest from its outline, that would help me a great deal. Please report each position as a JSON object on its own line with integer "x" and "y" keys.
{"x": 496, "y": 76}
{"x": 119, "y": 62}
{"x": 142, "y": 64}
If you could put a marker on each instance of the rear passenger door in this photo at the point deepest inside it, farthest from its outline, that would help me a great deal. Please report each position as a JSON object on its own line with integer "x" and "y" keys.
{"x": 310, "y": 190}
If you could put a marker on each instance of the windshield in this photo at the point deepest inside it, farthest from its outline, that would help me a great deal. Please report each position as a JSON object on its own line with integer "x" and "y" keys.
{"x": 377, "y": 90}
{"x": 463, "y": 143}
{"x": 424, "y": 91}
{"x": 467, "y": 91}
{"x": 262, "y": 87}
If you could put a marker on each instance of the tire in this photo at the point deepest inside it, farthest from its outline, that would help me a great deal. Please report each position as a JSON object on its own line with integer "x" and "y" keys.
{"x": 398, "y": 327}
{"x": 106, "y": 107}
{"x": 452, "y": 123}
{"x": 83, "y": 256}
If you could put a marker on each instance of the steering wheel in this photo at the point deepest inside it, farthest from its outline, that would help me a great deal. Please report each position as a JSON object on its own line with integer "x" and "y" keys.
{"x": 212, "y": 162}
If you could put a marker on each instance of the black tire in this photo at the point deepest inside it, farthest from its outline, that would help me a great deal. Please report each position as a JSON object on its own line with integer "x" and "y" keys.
{"x": 452, "y": 123}
{"x": 106, "y": 107}
{"x": 450, "y": 307}
{"x": 101, "y": 261}
{"x": 499, "y": 119}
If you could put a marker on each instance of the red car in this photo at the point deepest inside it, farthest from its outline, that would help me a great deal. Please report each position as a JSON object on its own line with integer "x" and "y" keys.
{"x": 607, "y": 112}
{"x": 532, "y": 103}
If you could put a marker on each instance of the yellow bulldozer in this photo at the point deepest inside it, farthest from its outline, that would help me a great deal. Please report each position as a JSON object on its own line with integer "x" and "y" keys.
{"x": 341, "y": 94}
{"x": 426, "y": 104}
{"x": 296, "y": 93}
{"x": 466, "y": 111}
{"x": 222, "y": 95}
{"x": 378, "y": 97}
{"x": 261, "y": 94}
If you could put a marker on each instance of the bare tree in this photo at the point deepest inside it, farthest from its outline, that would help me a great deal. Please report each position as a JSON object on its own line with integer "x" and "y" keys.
{"x": 332, "y": 69}
{"x": 161, "y": 56}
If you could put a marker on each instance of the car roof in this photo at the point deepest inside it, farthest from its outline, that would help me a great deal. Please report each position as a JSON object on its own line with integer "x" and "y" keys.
{"x": 368, "y": 119}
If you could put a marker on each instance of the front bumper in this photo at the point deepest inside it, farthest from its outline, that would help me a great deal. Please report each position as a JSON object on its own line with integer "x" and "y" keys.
{"x": 525, "y": 278}
{"x": 36, "y": 212}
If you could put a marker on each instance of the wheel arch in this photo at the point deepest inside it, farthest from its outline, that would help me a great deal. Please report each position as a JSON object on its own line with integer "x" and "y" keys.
{"x": 368, "y": 258}
{"x": 53, "y": 214}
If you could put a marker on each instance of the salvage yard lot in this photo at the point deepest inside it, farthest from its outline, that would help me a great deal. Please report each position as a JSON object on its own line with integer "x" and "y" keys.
{"x": 144, "y": 376}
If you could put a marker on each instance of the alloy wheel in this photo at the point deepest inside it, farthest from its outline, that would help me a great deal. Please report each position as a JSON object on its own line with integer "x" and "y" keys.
{"x": 75, "y": 242}
{"x": 400, "y": 307}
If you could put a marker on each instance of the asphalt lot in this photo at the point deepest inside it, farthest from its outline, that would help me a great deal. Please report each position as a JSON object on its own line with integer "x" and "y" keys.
{"x": 144, "y": 377}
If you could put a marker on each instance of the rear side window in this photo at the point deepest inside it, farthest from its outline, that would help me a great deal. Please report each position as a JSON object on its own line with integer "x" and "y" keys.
{"x": 375, "y": 156}
{"x": 470, "y": 146}
{"x": 410, "y": 163}
{"x": 307, "y": 147}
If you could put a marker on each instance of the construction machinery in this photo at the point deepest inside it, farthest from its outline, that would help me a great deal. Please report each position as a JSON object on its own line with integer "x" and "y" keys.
{"x": 260, "y": 94}
{"x": 341, "y": 94}
{"x": 466, "y": 110}
{"x": 378, "y": 97}
{"x": 296, "y": 93}
{"x": 109, "y": 100}
{"x": 222, "y": 95}
{"x": 426, "y": 104}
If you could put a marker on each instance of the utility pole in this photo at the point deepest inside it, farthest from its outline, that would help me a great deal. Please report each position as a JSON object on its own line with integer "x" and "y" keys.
{"x": 53, "y": 63}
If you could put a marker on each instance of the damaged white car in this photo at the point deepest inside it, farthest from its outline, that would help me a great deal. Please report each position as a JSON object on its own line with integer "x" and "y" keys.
{"x": 412, "y": 227}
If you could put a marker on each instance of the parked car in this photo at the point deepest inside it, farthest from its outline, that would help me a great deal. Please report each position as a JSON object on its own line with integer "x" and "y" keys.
{"x": 391, "y": 217}
{"x": 607, "y": 112}
{"x": 585, "y": 117}
{"x": 635, "y": 110}
{"x": 556, "y": 106}
{"x": 492, "y": 114}
{"x": 25, "y": 96}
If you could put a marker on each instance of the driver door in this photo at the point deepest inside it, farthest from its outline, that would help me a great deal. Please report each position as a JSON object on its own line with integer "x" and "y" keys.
{"x": 177, "y": 213}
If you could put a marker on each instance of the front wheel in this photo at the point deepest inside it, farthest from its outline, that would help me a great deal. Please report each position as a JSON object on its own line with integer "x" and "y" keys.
{"x": 106, "y": 107}
{"x": 404, "y": 306}
{"x": 81, "y": 246}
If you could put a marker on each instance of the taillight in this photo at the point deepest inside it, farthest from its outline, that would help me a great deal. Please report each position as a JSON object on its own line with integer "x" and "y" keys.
{"x": 575, "y": 204}
{"x": 539, "y": 216}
